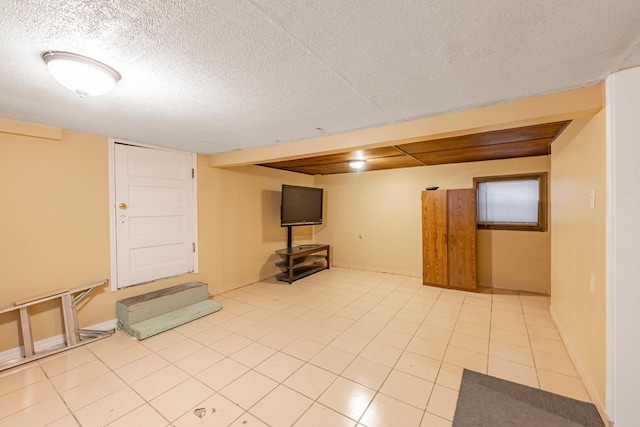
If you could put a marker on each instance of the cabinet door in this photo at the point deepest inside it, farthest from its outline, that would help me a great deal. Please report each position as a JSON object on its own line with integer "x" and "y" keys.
{"x": 434, "y": 237}
{"x": 462, "y": 238}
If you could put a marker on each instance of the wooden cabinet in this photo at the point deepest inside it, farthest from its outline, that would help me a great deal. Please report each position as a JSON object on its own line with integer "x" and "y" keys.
{"x": 449, "y": 238}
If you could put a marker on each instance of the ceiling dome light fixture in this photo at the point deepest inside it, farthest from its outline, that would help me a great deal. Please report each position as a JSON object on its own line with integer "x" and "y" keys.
{"x": 357, "y": 164}
{"x": 84, "y": 76}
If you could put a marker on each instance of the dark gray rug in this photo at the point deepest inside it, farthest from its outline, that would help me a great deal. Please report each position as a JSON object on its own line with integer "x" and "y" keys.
{"x": 486, "y": 401}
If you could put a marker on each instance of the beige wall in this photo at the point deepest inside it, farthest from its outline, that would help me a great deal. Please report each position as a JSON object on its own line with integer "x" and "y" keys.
{"x": 384, "y": 207}
{"x": 55, "y": 226}
{"x": 54, "y": 223}
{"x": 239, "y": 220}
{"x": 578, "y": 161}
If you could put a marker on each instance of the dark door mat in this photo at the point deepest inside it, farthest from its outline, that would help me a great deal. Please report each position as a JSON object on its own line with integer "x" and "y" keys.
{"x": 486, "y": 401}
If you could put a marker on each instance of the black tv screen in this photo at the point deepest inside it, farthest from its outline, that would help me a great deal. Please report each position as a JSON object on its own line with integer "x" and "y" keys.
{"x": 300, "y": 205}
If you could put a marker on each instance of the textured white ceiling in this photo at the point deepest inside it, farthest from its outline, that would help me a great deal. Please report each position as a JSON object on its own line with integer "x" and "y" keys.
{"x": 212, "y": 76}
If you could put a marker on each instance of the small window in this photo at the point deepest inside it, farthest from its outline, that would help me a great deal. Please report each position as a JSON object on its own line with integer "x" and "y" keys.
{"x": 512, "y": 202}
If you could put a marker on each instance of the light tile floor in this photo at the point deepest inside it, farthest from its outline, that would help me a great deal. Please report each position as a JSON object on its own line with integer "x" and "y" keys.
{"x": 339, "y": 348}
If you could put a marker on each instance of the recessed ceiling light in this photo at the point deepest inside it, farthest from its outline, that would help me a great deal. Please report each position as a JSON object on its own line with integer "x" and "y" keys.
{"x": 82, "y": 75}
{"x": 357, "y": 164}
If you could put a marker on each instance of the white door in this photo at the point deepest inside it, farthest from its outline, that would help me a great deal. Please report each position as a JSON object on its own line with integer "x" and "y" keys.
{"x": 154, "y": 214}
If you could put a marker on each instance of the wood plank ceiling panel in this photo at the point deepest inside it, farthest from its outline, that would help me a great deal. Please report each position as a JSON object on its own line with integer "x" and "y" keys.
{"x": 505, "y": 136}
{"x": 501, "y": 144}
{"x": 379, "y": 163}
{"x": 377, "y": 159}
{"x": 329, "y": 159}
{"x": 539, "y": 147}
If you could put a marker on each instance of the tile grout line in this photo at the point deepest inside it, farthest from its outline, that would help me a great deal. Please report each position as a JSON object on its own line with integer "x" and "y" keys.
{"x": 358, "y": 290}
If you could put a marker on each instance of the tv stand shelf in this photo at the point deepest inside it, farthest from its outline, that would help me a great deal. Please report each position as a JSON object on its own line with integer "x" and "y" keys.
{"x": 299, "y": 261}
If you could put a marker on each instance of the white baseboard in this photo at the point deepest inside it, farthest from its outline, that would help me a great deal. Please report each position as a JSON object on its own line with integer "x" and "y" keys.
{"x": 379, "y": 270}
{"x": 242, "y": 284}
{"x": 586, "y": 380}
{"x": 38, "y": 346}
{"x": 528, "y": 289}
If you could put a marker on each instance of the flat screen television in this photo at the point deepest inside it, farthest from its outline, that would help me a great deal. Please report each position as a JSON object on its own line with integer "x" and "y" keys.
{"x": 300, "y": 205}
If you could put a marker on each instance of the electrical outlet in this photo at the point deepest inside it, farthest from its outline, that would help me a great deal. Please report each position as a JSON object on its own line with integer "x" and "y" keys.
{"x": 592, "y": 198}
{"x": 592, "y": 284}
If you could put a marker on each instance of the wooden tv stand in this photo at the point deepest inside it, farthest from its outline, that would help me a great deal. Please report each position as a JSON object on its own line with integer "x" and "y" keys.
{"x": 299, "y": 261}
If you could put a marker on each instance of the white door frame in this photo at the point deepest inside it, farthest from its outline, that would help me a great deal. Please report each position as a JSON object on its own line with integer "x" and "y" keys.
{"x": 112, "y": 205}
{"x": 623, "y": 232}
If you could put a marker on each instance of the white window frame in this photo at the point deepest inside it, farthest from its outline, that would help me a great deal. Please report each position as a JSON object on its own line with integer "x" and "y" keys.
{"x": 541, "y": 177}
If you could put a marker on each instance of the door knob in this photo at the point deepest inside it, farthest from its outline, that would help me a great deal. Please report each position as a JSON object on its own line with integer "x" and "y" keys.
{"x": 123, "y": 206}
